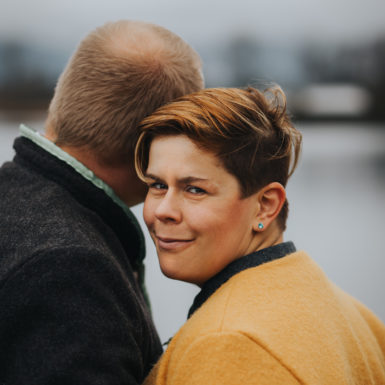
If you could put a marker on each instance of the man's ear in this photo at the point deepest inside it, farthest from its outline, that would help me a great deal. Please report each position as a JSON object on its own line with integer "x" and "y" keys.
{"x": 270, "y": 199}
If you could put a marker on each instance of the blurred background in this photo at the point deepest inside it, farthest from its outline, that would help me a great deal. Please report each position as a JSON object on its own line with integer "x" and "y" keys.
{"x": 329, "y": 57}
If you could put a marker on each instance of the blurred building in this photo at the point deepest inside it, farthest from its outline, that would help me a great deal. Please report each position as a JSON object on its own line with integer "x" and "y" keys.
{"x": 323, "y": 81}
{"x": 27, "y": 75}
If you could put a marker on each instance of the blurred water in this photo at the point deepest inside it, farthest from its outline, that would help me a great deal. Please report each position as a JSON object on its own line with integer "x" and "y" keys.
{"x": 337, "y": 215}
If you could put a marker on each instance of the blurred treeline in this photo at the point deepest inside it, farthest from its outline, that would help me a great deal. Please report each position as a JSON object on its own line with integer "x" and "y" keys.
{"x": 322, "y": 80}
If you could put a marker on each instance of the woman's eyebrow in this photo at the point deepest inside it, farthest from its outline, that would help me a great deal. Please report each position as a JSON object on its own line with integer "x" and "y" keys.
{"x": 184, "y": 180}
{"x": 180, "y": 181}
{"x": 192, "y": 179}
{"x": 150, "y": 176}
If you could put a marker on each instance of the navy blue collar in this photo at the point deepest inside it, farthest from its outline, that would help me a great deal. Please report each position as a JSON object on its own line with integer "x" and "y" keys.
{"x": 235, "y": 267}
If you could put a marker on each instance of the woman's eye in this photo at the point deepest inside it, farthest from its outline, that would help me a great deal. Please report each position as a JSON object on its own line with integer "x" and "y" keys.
{"x": 195, "y": 190}
{"x": 157, "y": 186}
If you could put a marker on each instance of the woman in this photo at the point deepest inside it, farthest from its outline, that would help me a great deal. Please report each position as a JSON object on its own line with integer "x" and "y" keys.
{"x": 216, "y": 163}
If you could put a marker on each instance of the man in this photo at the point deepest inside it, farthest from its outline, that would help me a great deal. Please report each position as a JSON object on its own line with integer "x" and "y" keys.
{"x": 72, "y": 304}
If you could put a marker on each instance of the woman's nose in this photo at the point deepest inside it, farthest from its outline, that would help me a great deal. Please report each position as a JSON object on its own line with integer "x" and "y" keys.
{"x": 168, "y": 208}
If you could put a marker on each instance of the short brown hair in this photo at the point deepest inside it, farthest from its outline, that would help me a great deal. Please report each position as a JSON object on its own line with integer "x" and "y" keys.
{"x": 248, "y": 130}
{"x": 120, "y": 73}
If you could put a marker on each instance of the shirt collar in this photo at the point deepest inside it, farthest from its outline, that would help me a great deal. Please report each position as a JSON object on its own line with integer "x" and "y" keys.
{"x": 251, "y": 260}
{"x": 56, "y": 151}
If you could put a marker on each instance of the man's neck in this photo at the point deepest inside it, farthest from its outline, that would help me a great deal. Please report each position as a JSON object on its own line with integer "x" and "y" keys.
{"x": 120, "y": 177}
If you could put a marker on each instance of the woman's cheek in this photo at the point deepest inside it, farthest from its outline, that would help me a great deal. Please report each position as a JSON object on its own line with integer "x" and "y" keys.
{"x": 148, "y": 211}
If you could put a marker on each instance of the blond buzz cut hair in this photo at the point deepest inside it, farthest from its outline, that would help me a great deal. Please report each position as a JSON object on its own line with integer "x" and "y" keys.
{"x": 120, "y": 73}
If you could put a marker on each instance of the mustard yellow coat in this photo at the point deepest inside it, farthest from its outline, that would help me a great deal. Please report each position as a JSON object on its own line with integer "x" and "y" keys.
{"x": 282, "y": 322}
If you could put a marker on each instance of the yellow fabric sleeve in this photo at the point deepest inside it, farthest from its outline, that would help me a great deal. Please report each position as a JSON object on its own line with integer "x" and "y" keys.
{"x": 223, "y": 359}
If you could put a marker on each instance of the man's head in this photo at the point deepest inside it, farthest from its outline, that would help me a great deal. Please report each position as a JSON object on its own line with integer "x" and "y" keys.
{"x": 120, "y": 73}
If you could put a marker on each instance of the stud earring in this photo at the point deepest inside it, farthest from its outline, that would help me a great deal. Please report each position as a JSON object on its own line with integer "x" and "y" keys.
{"x": 260, "y": 225}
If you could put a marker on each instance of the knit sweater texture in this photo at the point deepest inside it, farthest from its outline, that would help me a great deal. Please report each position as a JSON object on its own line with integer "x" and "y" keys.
{"x": 72, "y": 311}
{"x": 282, "y": 322}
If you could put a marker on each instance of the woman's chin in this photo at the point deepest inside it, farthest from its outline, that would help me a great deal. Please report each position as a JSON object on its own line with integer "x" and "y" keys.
{"x": 172, "y": 272}
{"x": 180, "y": 275}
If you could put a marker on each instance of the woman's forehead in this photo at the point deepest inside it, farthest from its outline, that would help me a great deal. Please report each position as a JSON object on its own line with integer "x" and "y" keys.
{"x": 181, "y": 157}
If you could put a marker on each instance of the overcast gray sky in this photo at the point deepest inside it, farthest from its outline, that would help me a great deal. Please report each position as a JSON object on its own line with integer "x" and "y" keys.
{"x": 63, "y": 23}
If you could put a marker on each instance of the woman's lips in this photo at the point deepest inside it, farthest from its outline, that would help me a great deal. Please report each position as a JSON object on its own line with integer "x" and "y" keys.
{"x": 171, "y": 244}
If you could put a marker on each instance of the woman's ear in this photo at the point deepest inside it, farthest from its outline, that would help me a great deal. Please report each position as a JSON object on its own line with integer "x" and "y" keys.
{"x": 271, "y": 199}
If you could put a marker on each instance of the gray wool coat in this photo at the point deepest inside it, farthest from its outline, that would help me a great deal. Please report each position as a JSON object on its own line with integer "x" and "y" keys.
{"x": 71, "y": 310}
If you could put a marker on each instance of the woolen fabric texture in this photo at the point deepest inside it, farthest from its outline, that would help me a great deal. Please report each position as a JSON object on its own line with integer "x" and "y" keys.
{"x": 282, "y": 322}
{"x": 71, "y": 310}
{"x": 251, "y": 260}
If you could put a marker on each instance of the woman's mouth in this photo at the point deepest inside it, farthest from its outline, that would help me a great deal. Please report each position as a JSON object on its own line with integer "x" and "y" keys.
{"x": 172, "y": 244}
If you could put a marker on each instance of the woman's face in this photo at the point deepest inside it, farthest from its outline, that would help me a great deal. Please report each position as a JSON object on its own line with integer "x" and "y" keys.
{"x": 194, "y": 212}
